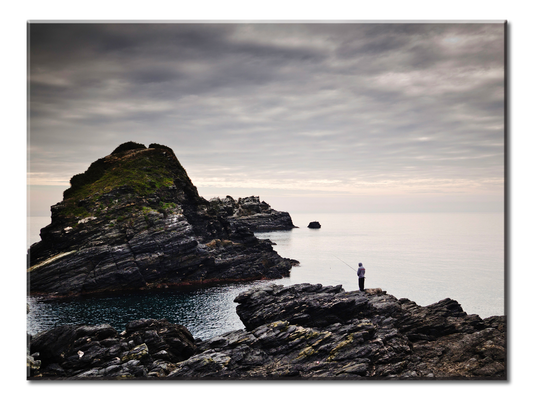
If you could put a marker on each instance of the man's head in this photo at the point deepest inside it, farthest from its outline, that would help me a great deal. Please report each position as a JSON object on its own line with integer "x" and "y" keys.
{"x": 360, "y": 264}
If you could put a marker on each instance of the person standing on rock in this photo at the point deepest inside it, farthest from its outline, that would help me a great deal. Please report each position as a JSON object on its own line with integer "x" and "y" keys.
{"x": 361, "y": 275}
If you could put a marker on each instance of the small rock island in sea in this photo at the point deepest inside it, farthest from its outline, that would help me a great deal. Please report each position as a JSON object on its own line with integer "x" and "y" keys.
{"x": 135, "y": 221}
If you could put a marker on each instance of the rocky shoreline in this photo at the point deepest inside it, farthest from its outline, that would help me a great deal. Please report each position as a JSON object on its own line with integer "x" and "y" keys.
{"x": 300, "y": 332}
{"x": 134, "y": 221}
{"x": 252, "y": 213}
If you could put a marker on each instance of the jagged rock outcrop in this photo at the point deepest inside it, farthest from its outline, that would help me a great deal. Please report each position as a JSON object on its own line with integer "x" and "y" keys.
{"x": 147, "y": 348}
{"x": 313, "y": 332}
{"x": 135, "y": 221}
{"x": 252, "y": 213}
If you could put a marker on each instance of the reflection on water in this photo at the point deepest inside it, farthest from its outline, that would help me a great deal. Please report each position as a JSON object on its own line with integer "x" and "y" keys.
{"x": 205, "y": 312}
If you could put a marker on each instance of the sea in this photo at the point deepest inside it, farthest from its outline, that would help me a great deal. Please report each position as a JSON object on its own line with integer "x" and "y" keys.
{"x": 425, "y": 257}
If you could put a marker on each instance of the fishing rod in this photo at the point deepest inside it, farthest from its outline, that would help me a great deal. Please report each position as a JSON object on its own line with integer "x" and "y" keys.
{"x": 343, "y": 262}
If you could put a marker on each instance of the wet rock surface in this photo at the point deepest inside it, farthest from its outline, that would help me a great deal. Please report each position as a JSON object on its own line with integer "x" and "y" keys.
{"x": 298, "y": 332}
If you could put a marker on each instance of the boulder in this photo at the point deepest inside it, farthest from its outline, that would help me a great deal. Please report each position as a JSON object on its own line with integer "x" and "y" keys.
{"x": 314, "y": 225}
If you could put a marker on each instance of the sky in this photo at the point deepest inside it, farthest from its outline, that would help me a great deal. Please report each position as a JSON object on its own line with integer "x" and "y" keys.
{"x": 311, "y": 117}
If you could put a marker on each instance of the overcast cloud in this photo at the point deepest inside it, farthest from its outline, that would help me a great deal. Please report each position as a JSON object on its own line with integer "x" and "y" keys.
{"x": 410, "y": 114}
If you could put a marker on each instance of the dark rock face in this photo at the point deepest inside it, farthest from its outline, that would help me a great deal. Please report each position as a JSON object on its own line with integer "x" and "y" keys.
{"x": 147, "y": 348}
{"x": 135, "y": 221}
{"x": 313, "y": 332}
{"x": 314, "y": 225}
{"x": 371, "y": 335}
{"x": 252, "y": 213}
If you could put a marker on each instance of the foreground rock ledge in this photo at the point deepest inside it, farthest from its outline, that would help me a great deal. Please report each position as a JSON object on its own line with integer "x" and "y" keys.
{"x": 298, "y": 332}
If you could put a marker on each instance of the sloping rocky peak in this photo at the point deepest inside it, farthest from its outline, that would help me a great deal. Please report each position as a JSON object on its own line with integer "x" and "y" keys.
{"x": 147, "y": 176}
{"x": 134, "y": 220}
{"x": 133, "y": 180}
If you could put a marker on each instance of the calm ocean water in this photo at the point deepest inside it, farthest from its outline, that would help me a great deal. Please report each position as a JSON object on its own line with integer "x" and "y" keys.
{"x": 424, "y": 257}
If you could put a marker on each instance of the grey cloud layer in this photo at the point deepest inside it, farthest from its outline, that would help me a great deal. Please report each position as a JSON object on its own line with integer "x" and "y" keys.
{"x": 399, "y": 102}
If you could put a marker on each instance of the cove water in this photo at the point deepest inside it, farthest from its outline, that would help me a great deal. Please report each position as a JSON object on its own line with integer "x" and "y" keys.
{"x": 423, "y": 257}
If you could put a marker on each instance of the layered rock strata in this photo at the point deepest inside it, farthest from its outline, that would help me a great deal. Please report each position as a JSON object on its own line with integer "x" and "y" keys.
{"x": 312, "y": 332}
{"x": 135, "y": 221}
{"x": 252, "y": 213}
{"x": 145, "y": 349}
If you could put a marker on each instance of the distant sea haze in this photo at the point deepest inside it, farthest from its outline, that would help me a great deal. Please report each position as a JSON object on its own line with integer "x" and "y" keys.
{"x": 425, "y": 257}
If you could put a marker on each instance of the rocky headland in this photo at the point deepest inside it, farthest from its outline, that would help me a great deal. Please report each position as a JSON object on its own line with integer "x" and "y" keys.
{"x": 135, "y": 221}
{"x": 303, "y": 331}
{"x": 252, "y": 213}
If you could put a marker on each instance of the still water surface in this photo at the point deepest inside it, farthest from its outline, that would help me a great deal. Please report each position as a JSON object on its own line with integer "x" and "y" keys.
{"x": 424, "y": 257}
{"x": 205, "y": 312}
